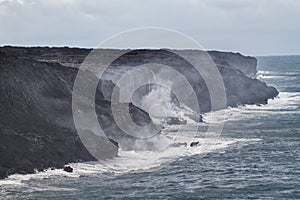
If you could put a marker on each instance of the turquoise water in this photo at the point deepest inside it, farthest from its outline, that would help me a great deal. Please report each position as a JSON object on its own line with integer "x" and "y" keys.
{"x": 256, "y": 156}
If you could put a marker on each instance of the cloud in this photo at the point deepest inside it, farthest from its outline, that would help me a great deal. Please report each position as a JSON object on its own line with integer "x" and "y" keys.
{"x": 21, "y": 2}
{"x": 249, "y": 26}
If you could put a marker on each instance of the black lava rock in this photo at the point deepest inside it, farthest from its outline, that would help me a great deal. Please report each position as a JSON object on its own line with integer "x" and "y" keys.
{"x": 68, "y": 169}
{"x": 193, "y": 144}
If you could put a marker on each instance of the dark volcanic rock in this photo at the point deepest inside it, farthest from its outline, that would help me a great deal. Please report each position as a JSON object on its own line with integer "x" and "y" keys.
{"x": 245, "y": 64}
{"x": 237, "y": 74}
{"x": 68, "y": 169}
{"x": 37, "y": 129}
{"x": 193, "y": 144}
{"x": 36, "y": 122}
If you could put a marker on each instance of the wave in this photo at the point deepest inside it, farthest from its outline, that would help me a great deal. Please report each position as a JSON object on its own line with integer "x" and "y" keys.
{"x": 129, "y": 161}
{"x": 277, "y": 73}
{"x": 285, "y": 103}
{"x": 135, "y": 161}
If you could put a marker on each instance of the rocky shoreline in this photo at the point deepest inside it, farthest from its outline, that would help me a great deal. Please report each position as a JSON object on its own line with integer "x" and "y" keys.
{"x": 36, "y": 123}
{"x": 37, "y": 130}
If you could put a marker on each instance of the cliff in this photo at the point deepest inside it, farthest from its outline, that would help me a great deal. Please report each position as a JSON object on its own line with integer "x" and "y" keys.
{"x": 73, "y": 57}
{"x": 36, "y": 123}
{"x": 237, "y": 73}
{"x": 245, "y": 64}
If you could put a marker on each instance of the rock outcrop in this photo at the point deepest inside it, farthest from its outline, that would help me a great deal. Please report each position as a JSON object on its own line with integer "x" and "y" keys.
{"x": 68, "y": 169}
{"x": 245, "y": 64}
{"x": 237, "y": 73}
{"x": 37, "y": 130}
{"x": 193, "y": 144}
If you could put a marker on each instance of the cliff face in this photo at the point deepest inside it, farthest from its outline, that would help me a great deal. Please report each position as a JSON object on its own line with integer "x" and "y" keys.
{"x": 245, "y": 64}
{"x": 36, "y": 123}
{"x": 236, "y": 71}
{"x": 73, "y": 57}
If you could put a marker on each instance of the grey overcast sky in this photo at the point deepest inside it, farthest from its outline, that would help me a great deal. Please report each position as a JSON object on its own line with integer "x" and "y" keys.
{"x": 253, "y": 27}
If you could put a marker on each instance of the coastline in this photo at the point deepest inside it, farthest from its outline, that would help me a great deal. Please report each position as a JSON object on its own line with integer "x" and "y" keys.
{"x": 37, "y": 130}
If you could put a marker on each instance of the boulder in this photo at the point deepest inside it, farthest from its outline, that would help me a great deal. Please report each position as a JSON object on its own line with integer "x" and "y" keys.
{"x": 68, "y": 169}
{"x": 193, "y": 144}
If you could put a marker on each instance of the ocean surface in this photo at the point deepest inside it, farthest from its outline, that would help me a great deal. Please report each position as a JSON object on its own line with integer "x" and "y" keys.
{"x": 257, "y": 156}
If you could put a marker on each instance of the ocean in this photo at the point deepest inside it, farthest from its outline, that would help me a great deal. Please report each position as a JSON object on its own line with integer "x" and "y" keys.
{"x": 257, "y": 156}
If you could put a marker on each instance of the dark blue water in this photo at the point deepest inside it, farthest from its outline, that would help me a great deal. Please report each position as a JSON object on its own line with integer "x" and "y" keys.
{"x": 258, "y": 158}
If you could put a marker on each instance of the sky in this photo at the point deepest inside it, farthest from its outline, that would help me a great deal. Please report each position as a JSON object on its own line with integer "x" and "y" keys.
{"x": 252, "y": 27}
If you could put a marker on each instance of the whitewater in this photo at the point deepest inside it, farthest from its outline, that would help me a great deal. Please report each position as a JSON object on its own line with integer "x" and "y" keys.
{"x": 256, "y": 156}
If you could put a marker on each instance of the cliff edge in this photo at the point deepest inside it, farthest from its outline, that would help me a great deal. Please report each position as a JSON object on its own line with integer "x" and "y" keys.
{"x": 37, "y": 130}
